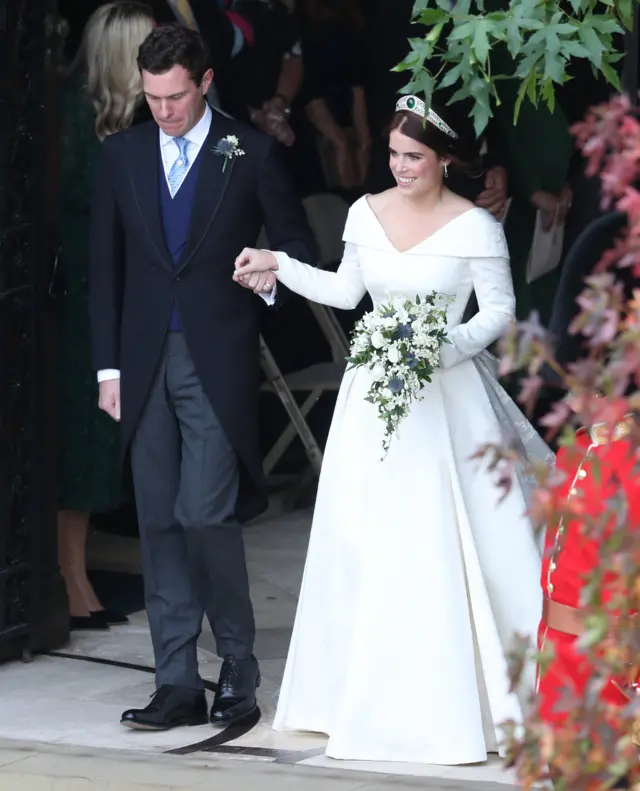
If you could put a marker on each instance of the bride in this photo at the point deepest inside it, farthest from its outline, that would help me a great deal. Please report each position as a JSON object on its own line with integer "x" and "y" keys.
{"x": 417, "y": 575}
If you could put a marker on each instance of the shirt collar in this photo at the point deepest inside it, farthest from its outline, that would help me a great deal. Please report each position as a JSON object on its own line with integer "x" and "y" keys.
{"x": 197, "y": 135}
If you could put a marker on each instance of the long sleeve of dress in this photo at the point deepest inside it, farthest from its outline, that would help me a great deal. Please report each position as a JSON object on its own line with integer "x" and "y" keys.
{"x": 497, "y": 304}
{"x": 342, "y": 289}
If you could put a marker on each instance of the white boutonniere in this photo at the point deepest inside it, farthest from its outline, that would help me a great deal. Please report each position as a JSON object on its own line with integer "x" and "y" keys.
{"x": 228, "y": 147}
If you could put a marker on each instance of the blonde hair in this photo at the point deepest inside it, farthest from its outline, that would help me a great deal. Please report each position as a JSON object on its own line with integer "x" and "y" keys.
{"x": 108, "y": 54}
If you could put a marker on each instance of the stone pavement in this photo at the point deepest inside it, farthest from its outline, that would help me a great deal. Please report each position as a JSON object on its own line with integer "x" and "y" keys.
{"x": 30, "y": 767}
{"x": 63, "y": 710}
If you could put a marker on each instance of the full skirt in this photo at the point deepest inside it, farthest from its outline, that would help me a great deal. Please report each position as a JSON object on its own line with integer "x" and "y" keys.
{"x": 417, "y": 578}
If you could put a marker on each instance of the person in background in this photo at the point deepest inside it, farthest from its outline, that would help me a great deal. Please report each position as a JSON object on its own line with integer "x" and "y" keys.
{"x": 601, "y": 465}
{"x": 223, "y": 30}
{"x": 101, "y": 93}
{"x": 267, "y": 73}
{"x": 537, "y": 151}
{"x": 333, "y": 92}
{"x": 596, "y": 471}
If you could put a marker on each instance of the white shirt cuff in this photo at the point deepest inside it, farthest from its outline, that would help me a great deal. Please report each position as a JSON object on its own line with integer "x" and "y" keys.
{"x": 108, "y": 373}
{"x": 270, "y": 298}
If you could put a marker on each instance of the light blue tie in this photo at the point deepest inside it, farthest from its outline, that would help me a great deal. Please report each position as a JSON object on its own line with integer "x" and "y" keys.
{"x": 180, "y": 166}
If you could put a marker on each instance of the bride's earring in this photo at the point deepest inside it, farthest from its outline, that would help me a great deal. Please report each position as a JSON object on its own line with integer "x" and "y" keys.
{"x": 446, "y": 170}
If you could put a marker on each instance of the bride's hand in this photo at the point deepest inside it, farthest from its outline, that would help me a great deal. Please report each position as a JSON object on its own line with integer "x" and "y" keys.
{"x": 254, "y": 270}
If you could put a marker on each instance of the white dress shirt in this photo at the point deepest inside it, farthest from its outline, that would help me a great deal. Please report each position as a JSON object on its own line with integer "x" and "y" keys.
{"x": 169, "y": 152}
{"x": 196, "y": 138}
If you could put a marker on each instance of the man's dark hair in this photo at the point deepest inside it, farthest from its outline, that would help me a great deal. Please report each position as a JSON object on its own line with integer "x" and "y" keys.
{"x": 172, "y": 45}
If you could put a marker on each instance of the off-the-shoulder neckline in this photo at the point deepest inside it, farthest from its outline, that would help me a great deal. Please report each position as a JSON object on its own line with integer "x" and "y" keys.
{"x": 427, "y": 238}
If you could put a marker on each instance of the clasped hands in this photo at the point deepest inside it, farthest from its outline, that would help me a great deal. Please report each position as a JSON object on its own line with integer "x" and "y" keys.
{"x": 254, "y": 269}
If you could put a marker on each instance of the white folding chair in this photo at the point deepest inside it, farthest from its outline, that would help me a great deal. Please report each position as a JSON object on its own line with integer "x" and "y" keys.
{"x": 327, "y": 215}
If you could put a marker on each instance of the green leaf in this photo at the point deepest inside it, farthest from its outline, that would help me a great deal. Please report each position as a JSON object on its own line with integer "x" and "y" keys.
{"x": 528, "y": 64}
{"x": 553, "y": 44}
{"x": 548, "y": 94}
{"x": 538, "y": 38}
{"x": 554, "y": 70}
{"x": 434, "y": 34}
{"x": 461, "y": 7}
{"x": 625, "y": 9}
{"x": 514, "y": 37}
{"x": 480, "y": 89}
{"x": 481, "y": 116}
{"x": 605, "y": 23}
{"x": 460, "y": 94}
{"x": 481, "y": 42}
{"x": 410, "y": 62}
{"x": 611, "y": 75}
{"x": 523, "y": 90}
{"x": 431, "y": 16}
{"x": 574, "y": 49}
{"x": 564, "y": 28}
{"x": 450, "y": 77}
{"x": 422, "y": 85}
{"x": 465, "y": 30}
{"x": 591, "y": 41}
{"x": 542, "y": 37}
{"x": 418, "y": 7}
{"x": 531, "y": 24}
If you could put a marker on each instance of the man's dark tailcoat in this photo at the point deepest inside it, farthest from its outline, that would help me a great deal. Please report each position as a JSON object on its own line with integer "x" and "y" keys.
{"x": 135, "y": 283}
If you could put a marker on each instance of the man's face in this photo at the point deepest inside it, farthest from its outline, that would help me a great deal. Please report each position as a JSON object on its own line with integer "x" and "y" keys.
{"x": 174, "y": 99}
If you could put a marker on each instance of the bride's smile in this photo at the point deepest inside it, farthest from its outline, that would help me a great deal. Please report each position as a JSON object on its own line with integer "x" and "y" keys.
{"x": 416, "y": 168}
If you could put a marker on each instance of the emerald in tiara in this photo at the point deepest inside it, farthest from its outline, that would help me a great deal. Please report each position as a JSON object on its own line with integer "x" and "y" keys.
{"x": 415, "y": 105}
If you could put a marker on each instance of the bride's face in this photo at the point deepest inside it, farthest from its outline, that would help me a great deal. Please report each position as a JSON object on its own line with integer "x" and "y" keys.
{"x": 416, "y": 167}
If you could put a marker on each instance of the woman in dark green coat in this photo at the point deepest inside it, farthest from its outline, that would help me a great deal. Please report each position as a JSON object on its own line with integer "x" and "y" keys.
{"x": 100, "y": 94}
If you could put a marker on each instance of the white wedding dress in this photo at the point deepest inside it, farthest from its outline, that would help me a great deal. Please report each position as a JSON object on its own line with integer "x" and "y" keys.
{"x": 417, "y": 576}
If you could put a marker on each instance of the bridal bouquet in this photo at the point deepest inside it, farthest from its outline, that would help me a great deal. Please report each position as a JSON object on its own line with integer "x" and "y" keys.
{"x": 399, "y": 342}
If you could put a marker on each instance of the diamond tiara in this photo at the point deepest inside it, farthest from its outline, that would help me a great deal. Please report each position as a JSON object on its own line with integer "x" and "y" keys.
{"x": 415, "y": 105}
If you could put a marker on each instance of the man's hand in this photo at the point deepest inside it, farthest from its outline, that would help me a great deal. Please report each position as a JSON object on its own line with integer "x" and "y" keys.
{"x": 255, "y": 270}
{"x": 494, "y": 196}
{"x": 260, "y": 282}
{"x": 109, "y": 398}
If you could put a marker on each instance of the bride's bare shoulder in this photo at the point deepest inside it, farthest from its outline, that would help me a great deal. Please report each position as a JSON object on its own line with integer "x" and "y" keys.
{"x": 381, "y": 200}
{"x": 456, "y": 204}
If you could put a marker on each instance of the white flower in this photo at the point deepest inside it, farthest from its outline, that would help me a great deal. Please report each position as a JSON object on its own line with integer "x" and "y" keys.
{"x": 228, "y": 147}
{"x": 399, "y": 369}
{"x": 394, "y": 354}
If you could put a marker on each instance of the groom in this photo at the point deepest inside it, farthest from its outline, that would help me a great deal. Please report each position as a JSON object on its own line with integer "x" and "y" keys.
{"x": 176, "y": 347}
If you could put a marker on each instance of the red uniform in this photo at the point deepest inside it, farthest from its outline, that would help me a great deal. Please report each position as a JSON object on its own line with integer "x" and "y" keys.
{"x": 594, "y": 470}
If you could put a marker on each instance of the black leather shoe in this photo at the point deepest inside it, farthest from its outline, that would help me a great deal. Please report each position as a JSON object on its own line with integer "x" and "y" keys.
{"x": 170, "y": 707}
{"x": 236, "y": 695}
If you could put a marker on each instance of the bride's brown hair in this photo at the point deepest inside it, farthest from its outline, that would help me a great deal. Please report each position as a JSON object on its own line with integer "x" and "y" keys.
{"x": 463, "y": 151}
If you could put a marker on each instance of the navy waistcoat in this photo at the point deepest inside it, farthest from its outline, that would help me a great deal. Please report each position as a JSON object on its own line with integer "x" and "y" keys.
{"x": 176, "y": 218}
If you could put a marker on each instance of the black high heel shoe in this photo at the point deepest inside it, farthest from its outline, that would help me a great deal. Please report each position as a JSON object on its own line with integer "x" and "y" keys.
{"x": 87, "y": 622}
{"x": 111, "y": 617}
